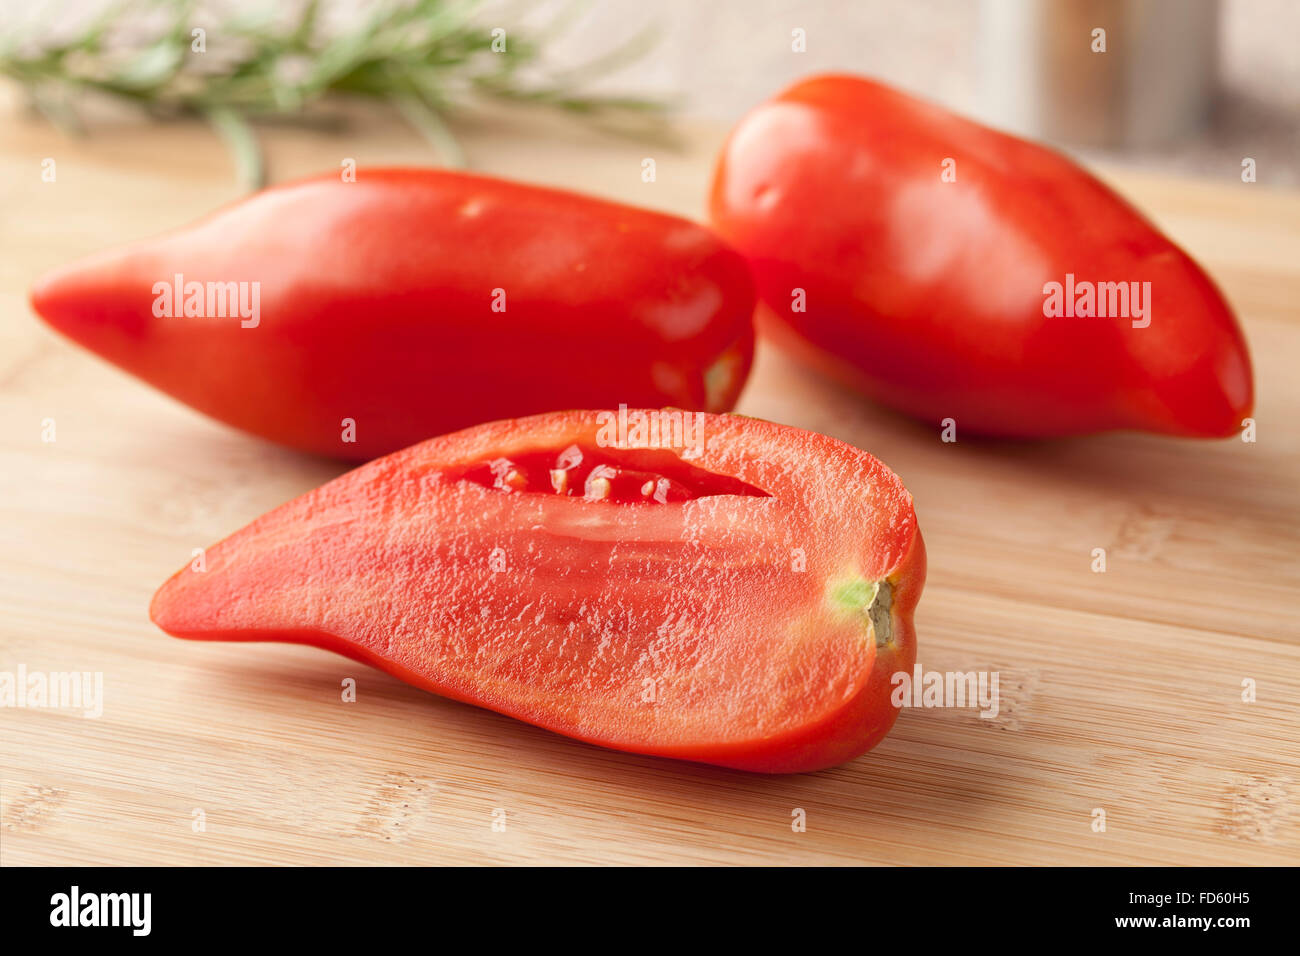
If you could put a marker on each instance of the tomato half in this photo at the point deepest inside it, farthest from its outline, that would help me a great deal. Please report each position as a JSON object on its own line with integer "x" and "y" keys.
{"x": 705, "y": 587}
{"x": 355, "y": 318}
{"x": 916, "y": 256}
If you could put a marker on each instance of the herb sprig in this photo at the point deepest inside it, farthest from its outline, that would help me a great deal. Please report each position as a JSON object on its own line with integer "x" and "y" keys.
{"x": 426, "y": 57}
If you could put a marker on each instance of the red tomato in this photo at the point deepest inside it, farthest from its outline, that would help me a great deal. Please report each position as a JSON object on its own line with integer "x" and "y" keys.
{"x": 921, "y": 248}
{"x": 753, "y": 617}
{"x": 412, "y": 303}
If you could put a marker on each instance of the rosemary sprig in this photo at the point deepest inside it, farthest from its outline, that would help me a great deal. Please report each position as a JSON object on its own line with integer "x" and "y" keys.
{"x": 426, "y": 57}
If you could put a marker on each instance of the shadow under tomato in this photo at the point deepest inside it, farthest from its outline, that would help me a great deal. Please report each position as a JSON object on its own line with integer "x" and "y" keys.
{"x": 915, "y": 777}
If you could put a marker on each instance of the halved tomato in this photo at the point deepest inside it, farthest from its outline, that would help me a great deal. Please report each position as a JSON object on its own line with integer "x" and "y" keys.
{"x": 705, "y": 587}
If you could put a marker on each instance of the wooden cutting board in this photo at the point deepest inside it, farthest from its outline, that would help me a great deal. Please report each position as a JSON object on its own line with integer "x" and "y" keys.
{"x": 1120, "y": 691}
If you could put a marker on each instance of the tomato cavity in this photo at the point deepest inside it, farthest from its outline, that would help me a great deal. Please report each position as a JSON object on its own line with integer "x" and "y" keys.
{"x": 616, "y": 475}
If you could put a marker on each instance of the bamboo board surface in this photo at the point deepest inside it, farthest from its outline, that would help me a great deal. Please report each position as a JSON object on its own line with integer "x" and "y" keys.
{"x": 1119, "y": 691}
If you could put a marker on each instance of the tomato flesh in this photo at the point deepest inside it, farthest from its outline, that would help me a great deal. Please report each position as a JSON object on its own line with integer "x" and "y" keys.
{"x": 737, "y": 622}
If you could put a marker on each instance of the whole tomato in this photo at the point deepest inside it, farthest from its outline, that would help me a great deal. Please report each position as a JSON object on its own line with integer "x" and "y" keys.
{"x": 952, "y": 271}
{"x": 355, "y": 318}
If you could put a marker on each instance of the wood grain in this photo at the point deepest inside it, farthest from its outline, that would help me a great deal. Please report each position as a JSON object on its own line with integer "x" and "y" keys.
{"x": 1120, "y": 691}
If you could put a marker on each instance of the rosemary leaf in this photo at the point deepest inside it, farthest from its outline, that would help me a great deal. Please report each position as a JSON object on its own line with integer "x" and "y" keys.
{"x": 426, "y": 57}
{"x": 242, "y": 143}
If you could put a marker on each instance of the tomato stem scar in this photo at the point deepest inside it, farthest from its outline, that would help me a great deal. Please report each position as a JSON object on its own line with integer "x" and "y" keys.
{"x": 870, "y": 599}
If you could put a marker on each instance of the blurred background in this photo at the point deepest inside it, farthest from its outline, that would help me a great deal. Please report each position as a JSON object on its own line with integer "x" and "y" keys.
{"x": 1184, "y": 85}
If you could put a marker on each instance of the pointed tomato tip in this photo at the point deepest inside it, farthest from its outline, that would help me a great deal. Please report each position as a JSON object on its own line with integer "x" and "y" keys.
{"x": 171, "y": 608}
{"x": 1239, "y": 390}
{"x": 94, "y": 303}
{"x": 161, "y": 607}
{"x": 43, "y": 296}
{"x": 65, "y": 301}
{"x": 1229, "y": 395}
{"x": 1208, "y": 399}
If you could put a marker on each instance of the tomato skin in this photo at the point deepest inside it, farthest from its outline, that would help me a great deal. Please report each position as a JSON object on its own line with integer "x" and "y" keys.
{"x": 376, "y": 305}
{"x": 929, "y": 295}
{"x": 863, "y": 721}
{"x": 560, "y": 611}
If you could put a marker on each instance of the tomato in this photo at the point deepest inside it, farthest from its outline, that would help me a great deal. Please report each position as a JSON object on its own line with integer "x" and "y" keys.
{"x": 355, "y": 318}
{"x": 751, "y": 615}
{"x": 945, "y": 269}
